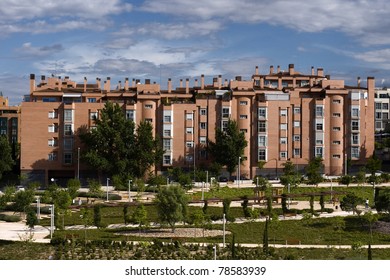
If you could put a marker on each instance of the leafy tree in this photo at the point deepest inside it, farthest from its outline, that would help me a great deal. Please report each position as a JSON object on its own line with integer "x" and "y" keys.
{"x": 290, "y": 175}
{"x": 97, "y": 215}
{"x": 284, "y": 204}
{"x": 245, "y": 208}
{"x": 313, "y": 170}
{"x": 140, "y": 216}
{"x": 62, "y": 202}
{"x": 86, "y": 216}
{"x": 345, "y": 180}
{"x": 171, "y": 205}
{"x": 349, "y": 202}
{"x": 370, "y": 218}
{"x": 6, "y": 160}
{"x": 73, "y": 187}
{"x": 23, "y": 199}
{"x": 361, "y": 176}
{"x": 185, "y": 181}
{"x": 31, "y": 218}
{"x": 126, "y": 216}
{"x": 229, "y": 145}
{"x": 9, "y": 192}
{"x": 156, "y": 180}
{"x": 373, "y": 164}
{"x": 149, "y": 150}
{"x": 95, "y": 188}
{"x": 226, "y": 208}
{"x": 312, "y": 204}
{"x": 382, "y": 202}
{"x": 110, "y": 148}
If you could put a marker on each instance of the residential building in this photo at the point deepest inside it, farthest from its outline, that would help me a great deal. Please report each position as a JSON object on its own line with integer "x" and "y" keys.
{"x": 285, "y": 115}
{"x": 9, "y": 120}
{"x": 382, "y": 100}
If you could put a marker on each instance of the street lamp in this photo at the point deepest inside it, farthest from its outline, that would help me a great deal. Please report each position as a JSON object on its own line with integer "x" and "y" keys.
{"x": 239, "y": 176}
{"x": 78, "y": 163}
{"x": 130, "y": 181}
{"x": 215, "y": 252}
{"x": 202, "y": 191}
{"x": 39, "y": 207}
{"x": 51, "y": 220}
{"x": 108, "y": 179}
{"x": 257, "y": 181}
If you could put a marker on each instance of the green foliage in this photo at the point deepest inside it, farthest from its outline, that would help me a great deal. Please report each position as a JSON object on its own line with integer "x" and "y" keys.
{"x": 22, "y": 200}
{"x": 73, "y": 187}
{"x": 382, "y": 202}
{"x": 6, "y": 161}
{"x": 140, "y": 216}
{"x": 373, "y": 164}
{"x": 9, "y": 218}
{"x": 126, "y": 215}
{"x": 349, "y": 202}
{"x": 97, "y": 216}
{"x": 290, "y": 175}
{"x": 171, "y": 205}
{"x": 31, "y": 218}
{"x": 226, "y": 208}
{"x": 265, "y": 238}
{"x": 345, "y": 180}
{"x": 229, "y": 145}
{"x": 313, "y": 170}
{"x": 95, "y": 188}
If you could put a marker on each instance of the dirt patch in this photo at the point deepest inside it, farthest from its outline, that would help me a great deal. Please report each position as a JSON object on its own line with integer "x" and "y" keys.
{"x": 179, "y": 232}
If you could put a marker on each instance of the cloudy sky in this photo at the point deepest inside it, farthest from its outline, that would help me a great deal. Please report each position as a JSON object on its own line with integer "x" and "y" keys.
{"x": 161, "y": 39}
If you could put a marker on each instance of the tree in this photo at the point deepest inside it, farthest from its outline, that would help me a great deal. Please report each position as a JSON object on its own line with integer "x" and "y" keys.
{"x": 313, "y": 170}
{"x": 370, "y": 218}
{"x": 23, "y": 199}
{"x": 149, "y": 150}
{"x": 6, "y": 161}
{"x": 73, "y": 187}
{"x": 126, "y": 216}
{"x": 290, "y": 175}
{"x": 171, "y": 205}
{"x": 373, "y": 164}
{"x": 345, "y": 180}
{"x": 226, "y": 208}
{"x": 361, "y": 176}
{"x": 140, "y": 216}
{"x": 349, "y": 202}
{"x": 322, "y": 202}
{"x": 382, "y": 202}
{"x": 62, "y": 202}
{"x": 31, "y": 218}
{"x": 95, "y": 188}
{"x": 97, "y": 215}
{"x": 229, "y": 145}
{"x": 265, "y": 238}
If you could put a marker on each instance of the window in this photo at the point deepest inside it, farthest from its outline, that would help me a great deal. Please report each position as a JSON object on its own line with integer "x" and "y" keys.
{"x": 378, "y": 125}
{"x": 336, "y": 142}
{"x": 319, "y": 142}
{"x": 68, "y": 115}
{"x": 262, "y": 141}
{"x": 297, "y": 152}
{"x": 167, "y": 119}
{"x": 91, "y": 100}
{"x": 385, "y": 116}
{"x": 283, "y": 126}
{"x": 378, "y": 115}
{"x": 262, "y": 111}
{"x": 68, "y": 129}
{"x": 203, "y": 111}
{"x": 243, "y": 117}
{"x": 319, "y": 126}
{"x": 319, "y": 111}
{"x": 189, "y": 116}
{"x": 336, "y": 156}
{"x": 203, "y": 153}
{"x": 355, "y": 139}
{"x": 336, "y": 115}
{"x": 51, "y": 128}
{"x": 149, "y": 120}
{"x": 243, "y": 130}
{"x": 52, "y": 156}
{"x": 337, "y": 101}
{"x": 243, "y": 102}
{"x": 297, "y": 110}
{"x": 189, "y": 158}
{"x": 283, "y": 112}
{"x": 262, "y": 126}
{"x": 167, "y": 133}
{"x": 355, "y": 112}
{"x": 225, "y": 112}
{"x": 68, "y": 158}
{"x": 167, "y": 144}
{"x": 189, "y": 144}
{"x": 319, "y": 151}
{"x": 385, "y": 106}
{"x": 148, "y": 106}
{"x": 297, "y": 123}
{"x": 189, "y": 130}
{"x": 283, "y": 154}
{"x": 68, "y": 143}
{"x": 262, "y": 154}
{"x": 336, "y": 128}
{"x": 202, "y": 140}
{"x": 355, "y": 153}
{"x": 224, "y": 125}
{"x": 52, "y": 142}
{"x": 283, "y": 140}
{"x": 167, "y": 160}
{"x": 53, "y": 114}
{"x": 355, "y": 125}
{"x": 297, "y": 137}
{"x": 378, "y": 106}
{"x": 93, "y": 115}
{"x": 130, "y": 115}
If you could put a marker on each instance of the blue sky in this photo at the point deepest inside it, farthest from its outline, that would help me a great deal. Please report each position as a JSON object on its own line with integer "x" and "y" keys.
{"x": 161, "y": 39}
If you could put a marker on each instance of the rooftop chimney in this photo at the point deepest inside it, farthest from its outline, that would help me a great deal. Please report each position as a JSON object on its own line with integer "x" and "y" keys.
{"x": 312, "y": 70}
{"x": 32, "y": 82}
{"x": 291, "y": 69}
{"x": 169, "y": 85}
{"x": 147, "y": 81}
{"x": 219, "y": 81}
{"x": 202, "y": 81}
{"x": 358, "y": 82}
{"x": 126, "y": 84}
{"x": 108, "y": 84}
{"x": 85, "y": 84}
{"x": 187, "y": 85}
{"x": 320, "y": 72}
{"x": 181, "y": 83}
{"x": 278, "y": 71}
{"x": 226, "y": 84}
{"x": 257, "y": 70}
{"x": 133, "y": 83}
{"x": 196, "y": 83}
{"x": 98, "y": 83}
{"x": 238, "y": 78}
{"x": 271, "y": 69}
{"x": 119, "y": 85}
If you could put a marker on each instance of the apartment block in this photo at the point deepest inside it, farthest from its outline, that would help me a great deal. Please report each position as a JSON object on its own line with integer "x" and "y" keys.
{"x": 382, "y": 99}
{"x": 284, "y": 114}
{"x": 9, "y": 120}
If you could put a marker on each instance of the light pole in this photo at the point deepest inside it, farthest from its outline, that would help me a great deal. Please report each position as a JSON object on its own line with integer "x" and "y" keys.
{"x": 108, "y": 179}
{"x": 207, "y": 179}
{"x": 130, "y": 181}
{"x": 78, "y": 163}
{"x": 288, "y": 188}
{"x": 202, "y": 191}
{"x": 257, "y": 181}
{"x": 215, "y": 252}
{"x": 51, "y": 220}
{"x": 39, "y": 208}
{"x": 345, "y": 163}
{"x": 331, "y": 189}
{"x": 239, "y": 176}
{"x": 224, "y": 223}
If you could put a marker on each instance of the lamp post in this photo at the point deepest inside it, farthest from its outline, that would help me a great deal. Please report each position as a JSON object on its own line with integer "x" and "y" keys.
{"x": 257, "y": 181}
{"x": 108, "y": 179}
{"x": 39, "y": 208}
{"x": 130, "y": 181}
{"x": 78, "y": 163}
{"x": 51, "y": 220}
{"x": 288, "y": 189}
{"x": 202, "y": 191}
{"x": 239, "y": 176}
{"x": 215, "y": 252}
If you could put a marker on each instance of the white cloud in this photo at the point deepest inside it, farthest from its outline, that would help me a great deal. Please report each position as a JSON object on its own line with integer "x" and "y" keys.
{"x": 28, "y": 50}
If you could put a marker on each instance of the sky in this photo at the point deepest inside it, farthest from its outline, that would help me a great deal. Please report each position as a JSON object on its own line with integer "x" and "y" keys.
{"x": 178, "y": 39}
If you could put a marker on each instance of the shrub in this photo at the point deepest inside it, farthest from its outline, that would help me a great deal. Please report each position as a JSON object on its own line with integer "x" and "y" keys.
{"x": 10, "y": 218}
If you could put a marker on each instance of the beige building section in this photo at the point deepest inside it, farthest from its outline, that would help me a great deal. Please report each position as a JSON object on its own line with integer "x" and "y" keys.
{"x": 285, "y": 115}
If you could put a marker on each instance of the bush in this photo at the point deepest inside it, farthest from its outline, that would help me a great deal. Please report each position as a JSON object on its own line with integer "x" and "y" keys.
{"x": 10, "y": 218}
{"x": 114, "y": 196}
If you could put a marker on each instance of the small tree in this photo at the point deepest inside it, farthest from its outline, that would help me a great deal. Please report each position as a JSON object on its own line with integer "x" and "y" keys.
{"x": 140, "y": 216}
{"x": 97, "y": 215}
{"x": 373, "y": 164}
{"x": 126, "y": 216}
{"x": 171, "y": 205}
{"x": 95, "y": 188}
{"x": 73, "y": 186}
{"x": 313, "y": 170}
{"x": 31, "y": 219}
{"x": 245, "y": 209}
{"x": 312, "y": 204}
{"x": 345, "y": 180}
{"x": 322, "y": 202}
{"x": 6, "y": 161}
{"x": 349, "y": 202}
